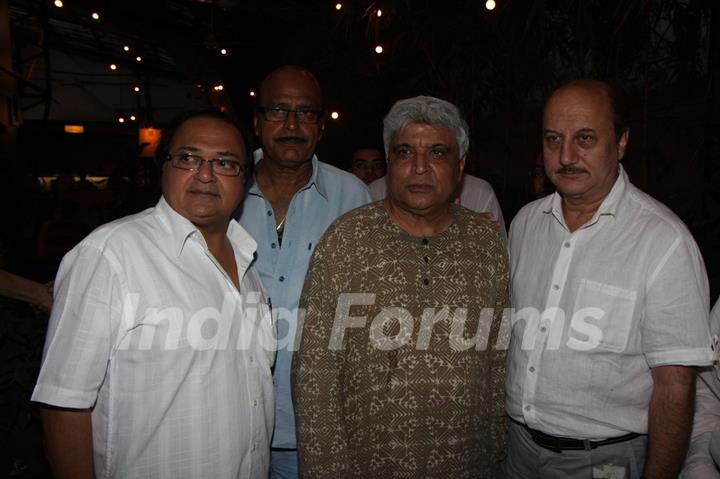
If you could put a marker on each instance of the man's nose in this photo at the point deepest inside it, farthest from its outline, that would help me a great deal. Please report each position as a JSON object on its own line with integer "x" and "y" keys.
{"x": 205, "y": 172}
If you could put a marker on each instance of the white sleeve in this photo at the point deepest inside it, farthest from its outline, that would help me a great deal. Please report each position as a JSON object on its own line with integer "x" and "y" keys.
{"x": 83, "y": 326}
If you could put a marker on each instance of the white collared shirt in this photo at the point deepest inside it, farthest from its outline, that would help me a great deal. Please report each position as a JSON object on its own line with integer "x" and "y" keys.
{"x": 150, "y": 332}
{"x": 597, "y": 308}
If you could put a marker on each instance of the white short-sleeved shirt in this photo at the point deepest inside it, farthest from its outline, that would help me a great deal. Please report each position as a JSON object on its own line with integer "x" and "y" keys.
{"x": 476, "y": 194}
{"x": 149, "y": 331}
{"x": 597, "y": 308}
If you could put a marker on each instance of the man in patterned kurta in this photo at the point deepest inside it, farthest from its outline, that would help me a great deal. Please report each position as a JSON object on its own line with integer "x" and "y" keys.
{"x": 401, "y": 367}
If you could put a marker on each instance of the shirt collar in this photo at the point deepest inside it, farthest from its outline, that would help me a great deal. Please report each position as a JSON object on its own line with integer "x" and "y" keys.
{"x": 181, "y": 229}
{"x": 609, "y": 206}
{"x": 317, "y": 178}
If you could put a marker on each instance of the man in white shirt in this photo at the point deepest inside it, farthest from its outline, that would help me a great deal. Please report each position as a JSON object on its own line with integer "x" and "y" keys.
{"x": 611, "y": 309}
{"x": 158, "y": 354}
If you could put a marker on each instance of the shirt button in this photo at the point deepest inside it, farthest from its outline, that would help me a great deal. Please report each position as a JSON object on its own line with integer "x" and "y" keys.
{"x": 531, "y": 369}
{"x": 252, "y": 360}
{"x": 427, "y": 260}
{"x": 543, "y": 329}
{"x": 567, "y": 244}
{"x": 527, "y": 408}
{"x": 273, "y": 246}
{"x": 281, "y": 278}
{"x": 425, "y": 241}
{"x": 556, "y": 287}
{"x": 255, "y": 403}
{"x": 426, "y": 281}
{"x": 269, "y": 213}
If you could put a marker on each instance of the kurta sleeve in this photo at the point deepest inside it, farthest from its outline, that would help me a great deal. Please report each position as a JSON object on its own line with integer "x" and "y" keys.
{"x": 317, "y": 368}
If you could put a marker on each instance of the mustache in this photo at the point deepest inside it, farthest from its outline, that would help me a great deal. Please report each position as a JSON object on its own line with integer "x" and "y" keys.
{"x": 570, "y": 169}
{"x": 291, "y": 139}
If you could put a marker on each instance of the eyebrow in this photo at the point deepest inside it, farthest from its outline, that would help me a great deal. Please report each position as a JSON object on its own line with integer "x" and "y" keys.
{"x": 193, "y": 149}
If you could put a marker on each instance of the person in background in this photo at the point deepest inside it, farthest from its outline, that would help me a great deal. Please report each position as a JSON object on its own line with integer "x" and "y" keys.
{"x": 368, "y": 164}
{"x": 36, "y": 294}
{"x": 703, "y": 454}
{"x": 292, "y": 198}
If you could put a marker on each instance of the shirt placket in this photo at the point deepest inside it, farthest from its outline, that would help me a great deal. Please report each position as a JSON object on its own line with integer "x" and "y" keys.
{"x": 544, "y": 327}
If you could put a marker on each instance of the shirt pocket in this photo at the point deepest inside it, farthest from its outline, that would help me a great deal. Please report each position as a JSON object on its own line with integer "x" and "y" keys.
{"x": 603, "y": 313}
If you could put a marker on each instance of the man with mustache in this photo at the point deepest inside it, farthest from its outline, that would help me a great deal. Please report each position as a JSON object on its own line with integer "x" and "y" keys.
{"x": 611, "y": 310}
{"x": 291, "y": 200}
{"x": 158, "y": 354}
{"x": 399, "y": 373}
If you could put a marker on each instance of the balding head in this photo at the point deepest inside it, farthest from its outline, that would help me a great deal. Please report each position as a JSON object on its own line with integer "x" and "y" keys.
{"x": 291, "y": 74}
{"x": 602, "y": 92}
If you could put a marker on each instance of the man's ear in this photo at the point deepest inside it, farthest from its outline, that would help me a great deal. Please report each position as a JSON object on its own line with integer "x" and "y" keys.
{"x": 255, "y": 126}
{"x": 622, "y": 144}
{"x": 462, "y": 167}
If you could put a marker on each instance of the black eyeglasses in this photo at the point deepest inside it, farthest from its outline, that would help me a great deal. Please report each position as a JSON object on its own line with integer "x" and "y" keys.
{"x": 219, "y": 166}
{"x": 276, "y": 113}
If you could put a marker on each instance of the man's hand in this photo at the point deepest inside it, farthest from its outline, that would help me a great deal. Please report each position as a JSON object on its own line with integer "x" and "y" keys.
{"x": 68, "y": 442}
{"x": 669, "y": 420}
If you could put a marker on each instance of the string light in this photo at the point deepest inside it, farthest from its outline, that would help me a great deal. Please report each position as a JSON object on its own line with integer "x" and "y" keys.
{"x": 338, "y": 6}
{"x": 138, "y": 58}
{"x": 95, "y": 16}
{"x": 490, "y": 4}
{"x": 121, "y": 120}
{"x": 137, "y": 89}
{"x": 379, "y": 13}
{"x": 223, "y": 51}
{"x": 113, "y": 67}
{"x": 218, "y": 88}
{"x": 126, "y": 48}
{"x": 252, "y": 93}
{"x": 334, "y": 115}
{"x": 379, "y": 49}
{"x": 132, "y": 118}
{"x": 58, "y": 3}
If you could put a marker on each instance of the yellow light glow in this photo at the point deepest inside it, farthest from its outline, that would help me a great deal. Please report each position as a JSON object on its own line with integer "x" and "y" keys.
{"x": 379, "y": 13}
{"x": 338, "y": 6}
{"x": 126, "y": 48}
{"x": 76, "y": 129}
{"x": 378, "y": 49}
{"x": 113, "y": 66}
{"x": 138, "y": 58}
{"x": 95, "y": 16}
{"x": 218, "y": 88}
{"x": 136, "y": 89}
{"x": 133, "y": 117}
{"x": 334, "y": 115}
{"x": 223, "y": 51}
{"x": 490, "y": 4}
{"x": 252, "y": 93}
{"x": 58, "y": 3}
{"x": 121, "y": 120}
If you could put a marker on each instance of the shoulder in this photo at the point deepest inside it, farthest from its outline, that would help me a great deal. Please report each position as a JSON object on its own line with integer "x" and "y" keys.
{"x": 479, "y": 228}
{"x": 354, "y": 225}
{"x": 647, "y": 213}
{"x": 477, "y": 184}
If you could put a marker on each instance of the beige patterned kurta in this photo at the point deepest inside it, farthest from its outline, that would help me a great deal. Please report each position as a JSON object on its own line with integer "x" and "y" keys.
{"x": 431, "y": 407}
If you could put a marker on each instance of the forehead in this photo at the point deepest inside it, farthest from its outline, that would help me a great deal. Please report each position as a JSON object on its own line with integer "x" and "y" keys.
{"x": 291, "y": 87}
{"x": 422, "y": 134}
{"x": 209, "y": 133}
{"x": 578, "y": 107}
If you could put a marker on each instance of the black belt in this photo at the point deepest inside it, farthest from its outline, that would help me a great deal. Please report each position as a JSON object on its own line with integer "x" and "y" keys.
{"x": 559, "y": 444}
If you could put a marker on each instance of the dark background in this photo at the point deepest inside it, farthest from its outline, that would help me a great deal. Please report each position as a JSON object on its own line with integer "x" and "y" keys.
{"x": 497, "y": 66}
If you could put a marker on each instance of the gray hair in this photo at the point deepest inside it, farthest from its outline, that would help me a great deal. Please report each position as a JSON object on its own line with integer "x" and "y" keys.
{"x": 430, "y": 111}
